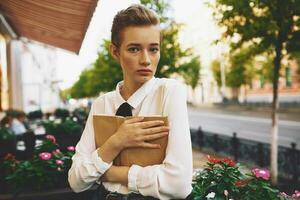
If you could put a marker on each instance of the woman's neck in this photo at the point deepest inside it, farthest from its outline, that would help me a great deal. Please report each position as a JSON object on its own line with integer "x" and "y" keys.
{"x": 128, "y": 88}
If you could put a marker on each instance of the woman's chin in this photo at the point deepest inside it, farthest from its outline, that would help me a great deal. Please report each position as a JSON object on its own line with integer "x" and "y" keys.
{"x": 144, "y": 79}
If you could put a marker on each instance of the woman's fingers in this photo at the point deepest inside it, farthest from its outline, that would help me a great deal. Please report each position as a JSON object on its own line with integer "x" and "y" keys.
{"x": 149, "y": 145}
{"x": 153, "y": 130}
{"x": 155, "y": 136}
{"x": 150, "y": 124}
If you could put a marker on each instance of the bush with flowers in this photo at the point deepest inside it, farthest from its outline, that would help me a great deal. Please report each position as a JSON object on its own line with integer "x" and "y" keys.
{"x": 222, "y": 179}
{"x": 67, "y": 132}
{"x": 47, "y": 169}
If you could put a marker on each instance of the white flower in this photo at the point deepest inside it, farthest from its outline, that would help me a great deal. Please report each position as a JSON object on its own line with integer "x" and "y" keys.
{"x": 211, "y": 195}
{"x": 226, "y": 193}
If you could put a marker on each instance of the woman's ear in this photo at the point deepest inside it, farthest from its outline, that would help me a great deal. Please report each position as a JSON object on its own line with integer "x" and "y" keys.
{"x": 114, "y": 51}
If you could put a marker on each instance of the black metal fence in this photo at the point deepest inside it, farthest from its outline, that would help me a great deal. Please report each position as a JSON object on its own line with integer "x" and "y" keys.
{"x": 251, "y": 152}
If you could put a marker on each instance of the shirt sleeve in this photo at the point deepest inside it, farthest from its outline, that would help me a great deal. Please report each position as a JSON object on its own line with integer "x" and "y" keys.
{"x": 87, "y": 167}
{"x": 173, "y": 178}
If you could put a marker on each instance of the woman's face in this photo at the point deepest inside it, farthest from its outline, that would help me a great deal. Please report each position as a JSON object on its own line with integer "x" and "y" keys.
{"x": 139, "y": 53}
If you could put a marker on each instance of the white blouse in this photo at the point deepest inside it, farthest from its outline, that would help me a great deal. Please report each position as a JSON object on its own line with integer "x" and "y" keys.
{"x": 169, "y": 180}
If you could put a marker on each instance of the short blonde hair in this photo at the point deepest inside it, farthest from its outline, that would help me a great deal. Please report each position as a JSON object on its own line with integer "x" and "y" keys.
{"x": 135, "y": 15}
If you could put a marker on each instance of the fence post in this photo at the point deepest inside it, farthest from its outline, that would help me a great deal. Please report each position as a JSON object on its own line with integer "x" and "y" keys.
{"x": 200, "y": 137}
{"x": 294, "y": 161}
{"x": 235, "y": 146}
{"x": 216, "y": 142}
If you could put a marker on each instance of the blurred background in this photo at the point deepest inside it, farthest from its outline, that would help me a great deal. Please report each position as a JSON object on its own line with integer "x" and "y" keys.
{"x": 239, "y": 60}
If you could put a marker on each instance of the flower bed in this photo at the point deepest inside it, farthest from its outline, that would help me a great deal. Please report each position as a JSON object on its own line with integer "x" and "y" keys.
{"x": 223, "y": 179}
{"x": 47, "y": 169}
{"x": 67, "y": 132}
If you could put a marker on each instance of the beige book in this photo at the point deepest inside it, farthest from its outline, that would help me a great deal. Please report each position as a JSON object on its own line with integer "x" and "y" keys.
{"x": 106, "y": 126}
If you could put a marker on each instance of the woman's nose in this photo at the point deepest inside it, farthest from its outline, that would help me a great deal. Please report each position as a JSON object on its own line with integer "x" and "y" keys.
{"x": 145, "y": 59}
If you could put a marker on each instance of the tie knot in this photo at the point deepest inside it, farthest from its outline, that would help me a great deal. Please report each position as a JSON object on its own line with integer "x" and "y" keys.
{"x": 124, "y": 110}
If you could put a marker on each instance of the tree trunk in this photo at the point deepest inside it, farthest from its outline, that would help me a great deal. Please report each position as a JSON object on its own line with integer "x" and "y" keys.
{"x": 235, "y": 94}
{"x": 275, "y": 106}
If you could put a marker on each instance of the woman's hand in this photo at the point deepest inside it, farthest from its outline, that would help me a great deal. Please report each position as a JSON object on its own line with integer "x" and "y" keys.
{"x": 136, "y": 133}
{"x": 132, "y": 133}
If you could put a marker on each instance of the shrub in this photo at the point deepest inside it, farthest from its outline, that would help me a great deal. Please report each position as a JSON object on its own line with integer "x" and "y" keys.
{"x": 222, "y": 179}
{"x": 47, "y": 169}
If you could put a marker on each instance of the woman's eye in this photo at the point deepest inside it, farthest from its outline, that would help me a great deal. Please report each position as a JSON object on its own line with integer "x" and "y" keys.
{"x": 154, "y": 50}
{"x": 133, "y": 49}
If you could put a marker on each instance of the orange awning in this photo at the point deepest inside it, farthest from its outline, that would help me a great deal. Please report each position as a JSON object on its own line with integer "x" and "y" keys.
{"x": 60, "y": 23}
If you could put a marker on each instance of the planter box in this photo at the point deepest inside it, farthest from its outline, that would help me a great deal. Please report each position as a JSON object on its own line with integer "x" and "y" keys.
{"x": 55, "y": 194}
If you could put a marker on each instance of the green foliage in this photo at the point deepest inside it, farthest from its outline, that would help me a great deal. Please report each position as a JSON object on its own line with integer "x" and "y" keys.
{"x": 65, "y": 94}
{"x": 37, "y": 114}
{"x": 265, "y": 69}
{"x": 260, "y": 22}
{"x": 263, "y": 27}
{"x": 240, "y": 71}
{"x": 67, "y": 127}
{"x": 81, "y": 114}
{"x": 12, "y": 113}
{"x": 216, "y": 70}
{"x": 80, "y": 88}
{"x": 38, "y": 173}
{"x": 222, "y": 179}
{"x": 217, "y": 177}
{"x": 6, "y": 134}
{"x": 106, "y": 71}
{"x": 190, "y": 72}
{"x": 61, "y": 113}
{"x": 48, "y": 145}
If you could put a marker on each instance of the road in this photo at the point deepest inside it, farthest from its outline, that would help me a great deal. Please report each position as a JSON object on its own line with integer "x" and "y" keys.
{"x": 252, "y": 128}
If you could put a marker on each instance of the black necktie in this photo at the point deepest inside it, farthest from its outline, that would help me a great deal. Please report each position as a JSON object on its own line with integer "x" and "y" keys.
{"x": 124, "y": 110}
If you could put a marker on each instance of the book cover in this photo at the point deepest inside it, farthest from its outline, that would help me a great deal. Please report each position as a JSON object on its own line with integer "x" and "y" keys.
{"x": 105, "y": 126}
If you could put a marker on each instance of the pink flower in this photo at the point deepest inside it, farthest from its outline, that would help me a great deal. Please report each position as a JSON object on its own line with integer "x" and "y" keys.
{"x": 284, "y": 194}
{"x": 51, "y": 138}
{"x": 71, "y": 148}
{"x": 59, "y": 162}
{"x": 56, "y": 152}
{"x": 296, "y": 195}
{"x": 261, "y": 173}
{"x": 45, "y": 156}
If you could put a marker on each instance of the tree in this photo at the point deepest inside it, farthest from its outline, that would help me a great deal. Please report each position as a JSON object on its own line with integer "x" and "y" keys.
{"x": 106, "y": 72}
{"x": 79, "y": 89}
{"x": 240, "y": 69}
{"x": 270, "y": 25}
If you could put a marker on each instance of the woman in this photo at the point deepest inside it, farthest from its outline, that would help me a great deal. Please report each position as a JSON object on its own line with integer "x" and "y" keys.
{"x": 136, "y": 38}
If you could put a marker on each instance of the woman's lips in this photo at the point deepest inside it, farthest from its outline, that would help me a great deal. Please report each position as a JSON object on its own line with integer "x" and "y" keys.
{"x": 144, "y": 71}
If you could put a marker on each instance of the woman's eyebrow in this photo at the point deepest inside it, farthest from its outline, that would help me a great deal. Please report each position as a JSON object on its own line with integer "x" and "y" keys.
{"x": 133, "y": 44}
{"x": 138, "y": 44}
{"x": 154, "y": 44}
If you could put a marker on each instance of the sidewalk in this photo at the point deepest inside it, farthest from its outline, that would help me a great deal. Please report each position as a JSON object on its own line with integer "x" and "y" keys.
{"x": 289, "y": 114}
{"x": 199, "y": 159}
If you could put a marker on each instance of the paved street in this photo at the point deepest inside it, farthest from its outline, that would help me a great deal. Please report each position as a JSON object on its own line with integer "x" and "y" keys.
{"x": 252, "y": 128}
